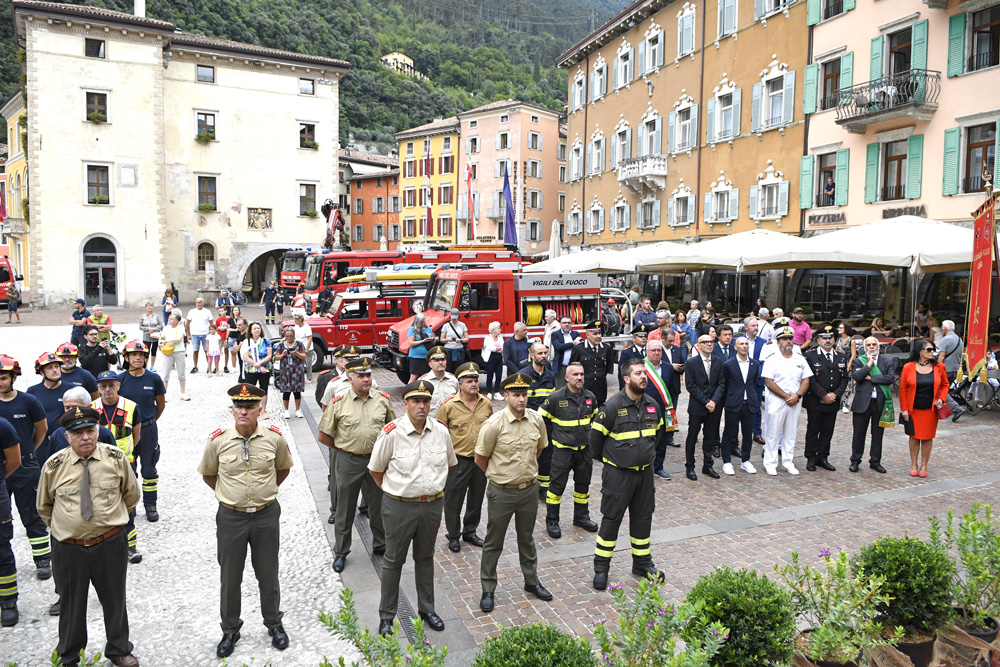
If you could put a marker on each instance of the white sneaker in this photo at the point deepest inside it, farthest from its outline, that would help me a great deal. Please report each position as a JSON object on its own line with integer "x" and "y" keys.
{"x": 747, "y": 467}
{"x": 792, "y": 470}
{"x": 298, "y": 413}
{"x": 727, "y": 468}
{"x": 287, "y": 415}
{"x": 771, "y": 470}
{"x": 489, "y": 397}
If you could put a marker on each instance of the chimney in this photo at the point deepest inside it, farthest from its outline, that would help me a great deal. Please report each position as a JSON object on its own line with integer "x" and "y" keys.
{"x": 140, "y": 8}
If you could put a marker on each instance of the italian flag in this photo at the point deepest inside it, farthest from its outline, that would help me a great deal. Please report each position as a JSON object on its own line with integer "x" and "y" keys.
{"x": 669, "y": 414}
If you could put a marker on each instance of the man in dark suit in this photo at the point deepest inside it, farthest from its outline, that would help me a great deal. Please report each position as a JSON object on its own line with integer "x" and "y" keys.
{"x": 676, "y": 356}
{"x": 822, "y": 402}
{"x": 563, "y": 341}
{"x": 640, "y": 334}
{"x": 598, "y": 361}
{"x": 724, "y": 347}
{"x": 657, "y": 388}
{"x": 703, "y": 379}
{"x": 871, "y": 372}
{"x": 515, "y": 349}
{"x": 742, "y": 403}
{"x": 751, "y": 327}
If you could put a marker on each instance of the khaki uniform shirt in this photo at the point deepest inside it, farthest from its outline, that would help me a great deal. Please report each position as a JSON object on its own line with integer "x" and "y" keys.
{"x": 415, "y": 463}
{"x": 464, "y": 424}
{"x": 444, "y": 388}
{"x": 512, "y": 446}
{"x": 114, "y": 492}
{"x": 339, "y": 385}
{"x": 354, "y": 423}
{"x": 246, "y": 477}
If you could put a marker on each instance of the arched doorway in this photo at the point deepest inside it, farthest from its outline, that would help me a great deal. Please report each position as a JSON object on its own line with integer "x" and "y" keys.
{"x": 100, "y": 272}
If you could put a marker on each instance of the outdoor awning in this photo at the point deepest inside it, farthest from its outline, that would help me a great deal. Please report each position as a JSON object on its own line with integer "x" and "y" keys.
{"x": 586, "y": 261}
{"x": 727, "y": 252}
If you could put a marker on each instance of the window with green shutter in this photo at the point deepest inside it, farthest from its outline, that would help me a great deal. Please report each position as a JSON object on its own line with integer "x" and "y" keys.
{"x": 871, "y": 173}
{"x": 843, "y": 168}
{"x": 952, "y": 145}
{"x": 806, "y": 181}
{"x": 914, "y": 166}
{"x": 980, "y": 151}
{"x": 956, "y": 44}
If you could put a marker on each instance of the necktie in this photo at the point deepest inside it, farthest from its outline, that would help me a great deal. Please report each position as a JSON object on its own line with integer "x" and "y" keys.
{"x": 86, "y": 506}
{"x": 708, "y": 367}
{"x": 829, "y": 357}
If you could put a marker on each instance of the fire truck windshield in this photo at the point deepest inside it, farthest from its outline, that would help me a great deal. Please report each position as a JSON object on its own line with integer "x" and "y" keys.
{"x": 443, "y": 297}
{"x": 294, "y": 263}
{"x": 314, "y": 268}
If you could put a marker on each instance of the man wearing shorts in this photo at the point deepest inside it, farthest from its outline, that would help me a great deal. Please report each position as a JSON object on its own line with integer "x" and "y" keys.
{"x": 198, "y": 320}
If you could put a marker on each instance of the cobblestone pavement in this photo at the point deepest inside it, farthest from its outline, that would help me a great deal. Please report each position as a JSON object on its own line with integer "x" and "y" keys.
{"x": 173, "y": 595}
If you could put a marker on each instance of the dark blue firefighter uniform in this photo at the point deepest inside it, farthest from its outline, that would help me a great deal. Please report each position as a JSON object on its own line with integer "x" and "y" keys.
{"x": 22, "y": 412}
{"x": 8, "y": 568}
{"x": 143, "y": 391}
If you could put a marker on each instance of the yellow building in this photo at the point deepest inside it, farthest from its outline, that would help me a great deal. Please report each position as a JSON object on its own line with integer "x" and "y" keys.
{"x": 15, "y": 227}
{"x": 402, "y": 63}
{"x": 428, "y": 177}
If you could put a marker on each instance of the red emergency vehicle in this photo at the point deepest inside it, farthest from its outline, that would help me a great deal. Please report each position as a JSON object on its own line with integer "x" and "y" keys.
{"x": 7, "y": 275}
{"x": 293, "y": 269}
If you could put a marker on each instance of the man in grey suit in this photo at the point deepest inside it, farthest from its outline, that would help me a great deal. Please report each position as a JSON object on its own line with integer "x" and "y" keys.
{"x": 874, "y": 375}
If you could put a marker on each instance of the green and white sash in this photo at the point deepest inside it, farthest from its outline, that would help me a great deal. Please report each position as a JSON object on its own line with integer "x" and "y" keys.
{"x": 669, "y": 414}
{"x": 888, "y": 417}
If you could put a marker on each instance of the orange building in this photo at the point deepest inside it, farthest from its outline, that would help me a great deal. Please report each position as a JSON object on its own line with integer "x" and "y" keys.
{"x": 375, "y": 210}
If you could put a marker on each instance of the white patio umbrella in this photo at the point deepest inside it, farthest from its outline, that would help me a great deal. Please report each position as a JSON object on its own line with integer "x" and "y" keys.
{"x": 555, "y": 243}
{"x": 726, "y": 252}
{"x": 586, "y": 261}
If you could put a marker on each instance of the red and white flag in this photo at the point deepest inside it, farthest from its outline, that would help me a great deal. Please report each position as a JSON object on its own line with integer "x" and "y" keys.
{"x": 472, "y": 211}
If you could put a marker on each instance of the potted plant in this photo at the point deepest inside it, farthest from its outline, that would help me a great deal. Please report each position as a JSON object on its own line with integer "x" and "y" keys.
{"x": 758, "y": 612}
{"x": 99, "y": 199}
{"x": 840, "y": 607}
{"x": 312, "y": 213}
{"x": 537, "y": 645}
{"x": 976, "y": 540}
{"x": 918, "y": 583}
{"x": 204, "y": 137}
{"x": 97, "y": 118}
{"x": 206, "y": 208}
{"x": 309, "y": 143}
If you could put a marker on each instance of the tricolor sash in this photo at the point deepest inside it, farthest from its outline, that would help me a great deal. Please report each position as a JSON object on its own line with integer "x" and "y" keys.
{"x": 888, "y": 417}
{"x": 669, "y": 414}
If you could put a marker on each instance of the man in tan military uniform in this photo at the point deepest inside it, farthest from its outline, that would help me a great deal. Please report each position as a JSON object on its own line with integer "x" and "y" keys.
{"x": 349, "y": 426}
{"x": 340, "y": 384}
{"x": 445, "y": 384}
{"x": 507, "y": 449}
{"x": 245, "y": 464}
{"x": 464, "y": 415}
{"x": 85, "y": 495}
{"x": 410, "y": 464}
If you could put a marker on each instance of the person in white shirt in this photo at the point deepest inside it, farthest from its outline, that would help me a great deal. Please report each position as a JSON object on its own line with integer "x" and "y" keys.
{"x": 766, "y": 330}
{"x": 786, "y": 378}
{"x": 199, "y": 319}
{"x": 551, "y": 326}
{"x": 304, "y": 335}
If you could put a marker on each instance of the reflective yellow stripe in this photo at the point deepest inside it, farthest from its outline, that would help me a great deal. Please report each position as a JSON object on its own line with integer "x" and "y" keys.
{"x": 539, "y": 392}
{"x": 39, "y": 546}
{"x": 569, "y": 423}
{"x": 556, "y": 443}
{"x": 611, "y": 463}
{"x": 598, "y": 426}
{"x": 551, "y": 498}
{"x": 610, "y": 544}
{"x": 640, "y": 552}
{"x": 9, "y": 579}
{"x": 603, "y": 553}
{"x": 638, "y": 541}
{"x": 582, "y": 498}
{"x": 545, "y": 413}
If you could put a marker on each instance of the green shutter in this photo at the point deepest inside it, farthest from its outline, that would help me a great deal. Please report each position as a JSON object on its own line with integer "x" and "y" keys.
{"x": 876, "y": 61}
{"x": 809, "y": 89}
{"x": 848, "y": 5}
{"x": 871, "y": 174}
{"x": 914, "y": 166}
{"x": 806, "y": 181}
{"x": 812, "y": 12}
{"x": 952, "y": 145}
{"x": 843, "y": 168}
{"x": 956, "y": 44}
{"x": 918, "y": 60}
{"x": 847, "y": 70}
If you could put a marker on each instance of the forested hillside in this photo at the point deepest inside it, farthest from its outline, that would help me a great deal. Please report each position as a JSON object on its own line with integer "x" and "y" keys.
{"x": 473, "y": 51}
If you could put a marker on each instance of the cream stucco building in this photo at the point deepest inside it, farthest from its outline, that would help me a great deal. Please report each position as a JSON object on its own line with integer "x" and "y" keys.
{"x": 159, "y": 157}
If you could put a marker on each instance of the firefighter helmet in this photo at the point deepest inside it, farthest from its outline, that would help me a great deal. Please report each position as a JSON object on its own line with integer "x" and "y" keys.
{"x": 44, "y": 360}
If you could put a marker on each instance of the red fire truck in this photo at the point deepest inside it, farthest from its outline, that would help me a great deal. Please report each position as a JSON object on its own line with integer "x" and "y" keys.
{"x": 500, "y": 295}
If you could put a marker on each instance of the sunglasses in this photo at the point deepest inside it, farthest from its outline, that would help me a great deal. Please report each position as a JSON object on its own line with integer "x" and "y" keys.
{"x": 929, "y": 348}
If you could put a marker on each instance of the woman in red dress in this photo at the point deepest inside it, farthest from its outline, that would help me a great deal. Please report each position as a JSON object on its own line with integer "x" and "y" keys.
{"x": 923, "y": 387}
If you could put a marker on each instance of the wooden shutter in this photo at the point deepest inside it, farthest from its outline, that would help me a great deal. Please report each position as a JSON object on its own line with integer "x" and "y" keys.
{"x": 691, "y": 215}
{"x": 589, "y": 167}
{"x": 758, "y": 9}
{"x": 952, "y": 146}
{"x": 809, "y": 88}
{"x": 813, "y": 13}
{"x": 847, "y": 71}
{"x": 753, "y": 202}
{"x": 641, "y": 64}
{"x": 956, "y": 44}
{"x": 641, "y": 148}
{"x": 631, "y": 66}
{"x": 656, "y": 213}
{"x": 914, "y": 166}
{"x": 788, "y": 98}
{"x": 671, "y": 131}
{"x": 614, "y": 74}
{"x": 670, "y": 212}
{"x": 871, "y": 173}
{"x": 758, "y": 91}
{"x": 783, "y": 198}
{"x": 843, "y": 169}
{"x": 614, "y": 150}
{"x": 659, "y": 52}
{"x": 707, "y": 210}
{"x": 729, "y": 17}
{"x": 628, "y": 145}
{"x": 710, "y": 120}
{"x": 919, "y": 56}
{"x": 734, "y": 204}
{"x": 807, "y": 165}
{"x": 875, "y": 71}
{"x": 737, "y": 109}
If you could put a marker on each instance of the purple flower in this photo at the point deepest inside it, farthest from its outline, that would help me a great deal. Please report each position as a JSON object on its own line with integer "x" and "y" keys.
{"x": 715, "y": 633}
{"x": 649, "y": 624}
{"x": 824, "y": 553}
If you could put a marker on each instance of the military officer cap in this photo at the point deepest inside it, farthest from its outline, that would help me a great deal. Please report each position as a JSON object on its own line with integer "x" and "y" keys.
{"x": 825, "y": 332}
{"x": 468, "y": 369}
{"x": 107, "y": 375}
{"x": 350, "y": 352}
{"x": 784, "y": 332}
{"x": 436, "y": 353}
{"x": 338, "y": 352}
{"x": 245, "y": 394}
{"x": 780, "y": 322}
{"x": 418, "y": 389}
{"x": 76, "y": 418}
{"x": 359, "y": 365}
{"x": 516, "y": 382}
{"x": 594, "y": 326}
{"x": 641, "y": 330}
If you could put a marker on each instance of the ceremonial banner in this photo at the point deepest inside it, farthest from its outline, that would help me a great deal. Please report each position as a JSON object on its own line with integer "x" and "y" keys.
{"x": 472, "y": 211}
{"x": 980, "y": 274}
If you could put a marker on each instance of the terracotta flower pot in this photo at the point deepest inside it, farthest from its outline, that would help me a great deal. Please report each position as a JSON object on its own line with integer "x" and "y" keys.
{"x": 919, "y": 653}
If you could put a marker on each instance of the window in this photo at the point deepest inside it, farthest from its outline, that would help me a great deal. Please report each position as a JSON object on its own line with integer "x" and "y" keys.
{"x": 726, "y": 111}
{"x": 97, "y": 103}
{"x": 409, "y": 169}
{"x": 444, "y": 226}
{"x": 206, "y": 123}
{"x": 500, "y": 230}
{"x": 826, "y": 185}
{"x": 772, "y": 6}
{"x": 685, "y": 138}
{"x": 378, "y": 233}
{"x": 444, "y": 194}
{"x": 576, "y": 164}
{"x": 900, "y": 51}
{"x": 427, "y": 146}
{"x": 720, "y": 206}
{"x": 93, "y": 48}
{"x": 831, "y": 84}
{"x": 727, "y": 17}
{"x": 378, "y": 182}
{"x": 596, "y": 156}
{"x": 832, "y": 8}
{"x": 307, "y": 87}
{"x": 579, "y": 91}
{"x": 680, "y": 209}
{"x": 393, "y": 232}
{"x": 652, "y": 144}
{"x": 654, "y": 51}
{"x": 768, "y": 201}
{"x": 624, "y": 69}
{"x": 769, "y": 198}
{"x": 206, "y": 254}
{"x": 474, "y": 168}
{"x": 205, "y": 74}
{"x": 534, "y": 199}
{"x": 344, "y": 201}
{"x": 620, "y": 218}
{"x": 648, "y": 214}
{"x": 307, "y": 198}
{"x": 534, "y": 169}
{"x": 534, "y": 230}
{"x": 447, "y": 164}
{"x": 595, "y": 220}
{"x": 685, "y": 33}
{"x": 378, "y": 205}
{"x": 358, "y": 184}
{"x": 207, "y": 192}
{"x": 394, "y": 204}
{"x": 534, "y": 141}
{"x": 562, "y": 151}
{"x": 307, "y": 135}
{"x": 598, "y": 82}
{"x": 980, "y": 150}
{"x": 774, "y": 102}
{"x": 534, "y": 119}
{"x": 98, "y": 188}
{"x": 894, "y": 171}
{"x": 411, "y": 227}
{"x": 359, "y": 206}
{"x": 359, "y": 233}
{"x": 985, "y": 39}
{"x": 473, "y": 145}
{"x": 504, "y": 118}
{"x": 395, "y": 180}
{"x": 503, "y": 141}
{"x": 409, "y": 198}
{"x": 573, "y": 223}
{"x": 422, "y": 198}
{"x": 445, "y": 144}
{"x": 409, "y": 149}
{"x": 341, "y": 175}
{"x": 562, "y": 202}
{"x": 562, "y": 173}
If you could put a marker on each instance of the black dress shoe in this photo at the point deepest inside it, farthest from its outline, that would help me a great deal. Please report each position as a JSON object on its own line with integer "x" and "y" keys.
{"x": 587, "y": 524}
{"x": 539, "y": 592}
{"x": 378, "y": 552}
{"x": 877, "y": 467}
{"x": 758, "y": 439}
{"x": 432, "y": 621}
{"x": 710, "y": 471}
{"x": 338, "y": 563}
{"x": 474, "y": 540}
{"x": 553, "y": 529}
{"x": 333, "y": 518}
{"x": 279, "y": 638}
{"x": 717, "y": 453}
{"x": 648, "y": 573}
{"x": 663, "y": 474}
{"x": 56, "y": 607}
{"x": 853, "y": 467}
{"x": 958, "y": 415}
{"x": 825, "y": 465}
{"x": 228, "y": 643}
{"x": 384, "y": 628}
{"x": 811, "y": 465}
{"x": 691, "y": 475}
{"x": 454, "y": 545}
{"x": 600, "y": 581}
{"x": 486, "y": 602}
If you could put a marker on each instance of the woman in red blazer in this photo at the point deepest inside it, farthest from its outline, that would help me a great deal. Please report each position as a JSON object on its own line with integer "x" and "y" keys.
{"x": 923, "y": 387}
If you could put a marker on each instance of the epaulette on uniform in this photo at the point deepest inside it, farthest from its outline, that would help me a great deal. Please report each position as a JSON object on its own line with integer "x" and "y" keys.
{"x": 442, "y": 423}
{"x": 115, "y": 452}
{"x": 336, "y": 398}
{"x": 385, "y": 394}
{"x": 55, "y": 461}
{"x": 446, "y": 400}
{"x": 215, "y": 434}
{"x": 275, "y": 429}
{"x": 388, "y": 427}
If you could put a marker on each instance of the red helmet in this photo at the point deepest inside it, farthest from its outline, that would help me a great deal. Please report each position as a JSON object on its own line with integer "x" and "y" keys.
{"x": 67, "y": 350}
{"x": 44, "y": 360}
{"x": 9, "y": 365}
{"x": 136, "y": 346}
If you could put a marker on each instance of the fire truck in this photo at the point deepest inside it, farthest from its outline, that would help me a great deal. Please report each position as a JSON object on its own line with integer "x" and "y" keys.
{"x": 485, "y": 295}
{"x": 293, "y": 269}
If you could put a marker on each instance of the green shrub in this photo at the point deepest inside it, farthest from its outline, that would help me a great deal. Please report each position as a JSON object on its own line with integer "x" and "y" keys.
{"x": 204, "y": 137}
{"x": 312, "y": 213}
{"x": 97, "y": 118}
{"x": 976, "y": 540}
{"x": 918, "y": 579}
{"x": 535, "y": 645}
{"x": 758, "y": 612}
{"x": 206, "y": 208}
{"x": 310, "y": 144}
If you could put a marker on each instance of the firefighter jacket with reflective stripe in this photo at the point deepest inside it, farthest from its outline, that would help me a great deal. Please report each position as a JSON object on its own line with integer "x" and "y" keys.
{"x": 624, "y": 432}
{"x": 567, "y": 417}
{"x": 121, "y": 423}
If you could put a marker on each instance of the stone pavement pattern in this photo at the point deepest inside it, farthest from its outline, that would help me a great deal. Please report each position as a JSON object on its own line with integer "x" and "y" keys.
{"x": 173, "y": 595}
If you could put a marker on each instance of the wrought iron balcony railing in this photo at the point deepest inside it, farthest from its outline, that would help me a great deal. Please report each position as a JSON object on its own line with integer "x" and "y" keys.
{"x": 913, "y": 92}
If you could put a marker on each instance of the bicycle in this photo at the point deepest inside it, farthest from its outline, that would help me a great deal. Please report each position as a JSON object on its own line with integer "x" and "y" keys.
{"x": 237, "y": 298}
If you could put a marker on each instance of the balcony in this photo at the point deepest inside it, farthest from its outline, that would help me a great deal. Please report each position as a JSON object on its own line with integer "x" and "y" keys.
{"x": 825, "y": 201}
{"x": 463, "y": 211}
{"x": 496, "y": 212}
{"x": 980, "y": 61}
{"x": 893, "y": 193}
{"x": 642, "y": 173}
{"x": 14, "y": 226}
{"x": 911, "y": 93}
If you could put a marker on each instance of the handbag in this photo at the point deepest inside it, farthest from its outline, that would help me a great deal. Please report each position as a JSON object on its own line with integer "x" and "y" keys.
{"x": 907, "y": 424}
{"x": 944, "y": 412}
{"x": 167, "y": 349}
